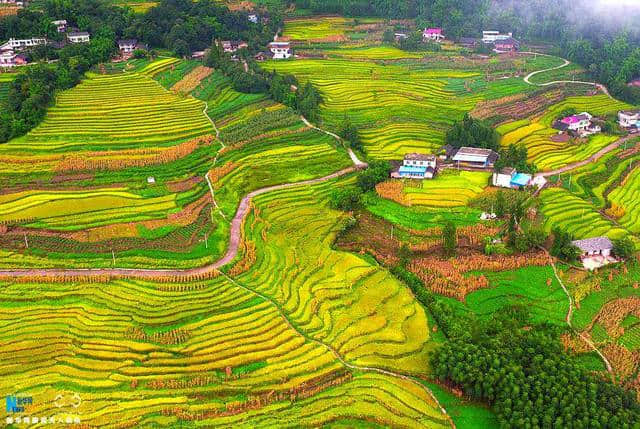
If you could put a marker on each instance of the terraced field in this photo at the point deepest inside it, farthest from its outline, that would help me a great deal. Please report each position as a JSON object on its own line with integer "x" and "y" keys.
{"x": 627, "y": 196}
{"x": 536, "y": 134}
{"x": 115, "y": 112}
{"x": 333, "y": 28}
{"x": 450, "y": 188}
{"x": 258, "y": 349}
{"x": 575, "y": 215}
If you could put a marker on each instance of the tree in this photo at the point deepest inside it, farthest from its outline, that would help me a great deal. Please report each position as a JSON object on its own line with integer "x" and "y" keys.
{"x": 562, "y": 246}
{"x": 624, "y": 248}
{"x": 346, "y": 199}
{"x": 472, "y": 133}
{"x": 348, "y": 131}
{"x": 388, "y": 36}
{"x": 377, "y": 172}
{"x": 449, "y": 238}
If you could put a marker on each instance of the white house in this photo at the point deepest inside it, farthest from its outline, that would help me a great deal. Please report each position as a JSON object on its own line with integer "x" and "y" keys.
{"x": 508, "y": 177}
{"x": 252, "y": 17}
{"x": 629, "y": 118}
{"x": 127, "y": 46}
{"x": 79, "y": 37}
{"x": 595, "y": 252}
{"x": 491, "y": 36}
{"x": 19, "y": 44}
{"x": 433, "y": 34}
{"x": 580, "y": 124}
{"x": 503, "y": 177}
{"x": 280, "y": 50}
{"x": 61, "y": 25}
{"x": 9, "y": 59}
{"x": 475, "y": 157}
{"x": 417, "y": 166}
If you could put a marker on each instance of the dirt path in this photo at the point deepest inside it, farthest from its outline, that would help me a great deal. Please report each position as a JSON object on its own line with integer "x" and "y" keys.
{"x": 354, "y": 158}
{"x": 596, "y": 156}
{"x": 528, "y": 77}
{"x": 570, "y": 315}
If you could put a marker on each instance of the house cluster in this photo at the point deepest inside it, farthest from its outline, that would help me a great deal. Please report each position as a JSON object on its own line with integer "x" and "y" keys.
{"x": 595, "y": 252}
{"x": 10, "y": 55}
{"x": 433, "y": 35}
{"x": 502, "y": 43}
{"x": 417, "y": 166}
{"x": 128, "y": 46}
{"x": 72, "y": 34}
{"x": 629, "y": 120}
{"x": 580, "y": 124}
{"x": 231, "y": 46}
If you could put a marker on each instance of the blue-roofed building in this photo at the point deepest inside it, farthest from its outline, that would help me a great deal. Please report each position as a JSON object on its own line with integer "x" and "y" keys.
{"x": 509, "y": 178}
{"x": 416, "y": 166}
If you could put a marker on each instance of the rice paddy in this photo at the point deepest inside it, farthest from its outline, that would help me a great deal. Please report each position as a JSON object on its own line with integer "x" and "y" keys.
{"x": 450, "y": 188}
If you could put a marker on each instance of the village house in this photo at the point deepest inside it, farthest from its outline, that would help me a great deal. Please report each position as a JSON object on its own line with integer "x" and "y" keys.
{"x": 506, "y": 45}
{"x": 595, "y": 252}
{"x": 20, "y": 44}
{"x": 475, "y": 157}
{"x": 433, "y": 34}
{"x": 492, "y": 36}
{"x": 9, "y": 59}
{"x": 252, "y": 17}
{"x": 508, "y": 177}
{"x": 198, "y": 55}
{"x": 263, "y": 56}
{"x": 280, "y": 50}
{"x": 417, "y": 166}
{"x": 629, "y": 118}
{"x": 580, "y": 124}
{"x": 468, "y": 42}
{"x": 400, "y": 36}
{"x": 61, "y": 25}
{"x": 78, "y": 37}
{"x": 233, "y": 45}
{"x": 127, "y": 46}
{"x": 14, "y": 2}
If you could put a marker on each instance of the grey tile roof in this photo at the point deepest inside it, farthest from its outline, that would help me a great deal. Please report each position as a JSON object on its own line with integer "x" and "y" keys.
{"x": 593, "y": 244}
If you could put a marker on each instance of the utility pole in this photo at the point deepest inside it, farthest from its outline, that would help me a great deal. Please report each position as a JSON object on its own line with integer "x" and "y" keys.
{"x": 26, "y": 242}
{"x": 113, "y": 255}
{"x": 206, "y": 242}
{"x": 392, "y": 232}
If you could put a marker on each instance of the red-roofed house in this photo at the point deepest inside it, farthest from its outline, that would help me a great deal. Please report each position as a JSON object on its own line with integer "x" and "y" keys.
{"x": 433, "y": 34}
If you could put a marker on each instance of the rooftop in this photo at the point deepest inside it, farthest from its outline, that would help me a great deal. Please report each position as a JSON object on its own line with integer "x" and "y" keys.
{"x": 593, "y": 244}
{"x": 510, "y": 171}
{"x": 433, "y": 31}
{"x": 419, "y": 157}
{"x": 412, "y": 170}
{"x": 78, "y": 34}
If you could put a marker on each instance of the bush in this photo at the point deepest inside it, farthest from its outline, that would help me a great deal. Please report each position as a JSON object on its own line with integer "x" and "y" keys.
{"x": 377, "y": 172}
{"x": 346, "y": 199}
{"x": 562, "y": 247}
{"x": 624, "y": 248}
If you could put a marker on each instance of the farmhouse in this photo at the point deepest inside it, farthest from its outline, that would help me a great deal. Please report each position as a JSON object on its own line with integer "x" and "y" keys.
{"x": 61, "y": 25}
{"x": 492, "y": 36}
{"x": 233, "y": 45}
{"x": 417, "y": 166}
{"x": 252, "y": 17}
{"x": 262, "y": 56}
{"x": 508, "y": 177}
{"x": 580, "y": 124}
{"x": 468, "y": 42}
{"x": 595, "y": 252}
{"x": 197, "y": 55}
{"x": 78, "y": 37}
{"x": 400, "y": 36}
{"x": 629, "y": 118}
{"x": 433, "y": 34}
{"x": 506, "y": 45}
{"x": 475, "y": 157}
{"x": 127, "y": 46}
{"x": 19, "y": 44}
{"x": 280, "y": 50}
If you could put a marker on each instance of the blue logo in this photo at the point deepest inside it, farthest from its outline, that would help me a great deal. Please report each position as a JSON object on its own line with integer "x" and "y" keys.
{"x": 15, "y": 404}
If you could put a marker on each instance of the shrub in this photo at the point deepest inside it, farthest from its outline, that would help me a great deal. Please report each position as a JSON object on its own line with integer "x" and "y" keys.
{"x": 346, "y": 199}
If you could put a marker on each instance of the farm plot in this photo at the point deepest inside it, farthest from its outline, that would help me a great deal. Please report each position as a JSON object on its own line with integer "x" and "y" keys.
{"x": 537, "y": 133}
{"x": 450, "y": 188}
{"x": 575, "y": 215}
{"x": 207, "y": 353}
{"x": 627, "y": 196}
{"x": 5, "y": 83}
{"x": 114, "y": 112}
{"x": 400, "y": 108}
{"x": 326, "y": 29}
{"x": 333, "y": 296}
